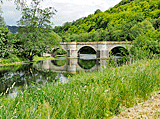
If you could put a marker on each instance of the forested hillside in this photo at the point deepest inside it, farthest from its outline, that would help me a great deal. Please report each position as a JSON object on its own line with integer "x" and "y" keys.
{"x": 13, "y": 29}
{"x": 126, "y": 21}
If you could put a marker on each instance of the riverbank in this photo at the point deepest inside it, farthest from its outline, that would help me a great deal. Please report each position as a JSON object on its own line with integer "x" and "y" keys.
{"x": 87, "y": 95}
{"x": 8, "y": 63}
{"x": 13, "y": 63}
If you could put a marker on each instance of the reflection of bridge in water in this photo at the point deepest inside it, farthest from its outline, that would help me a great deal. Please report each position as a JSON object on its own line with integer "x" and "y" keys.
{"x": 71, "y": 66}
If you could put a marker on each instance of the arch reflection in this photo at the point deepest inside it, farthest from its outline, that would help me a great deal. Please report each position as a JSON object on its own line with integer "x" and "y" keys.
{"x": 87, "y": 64}
{"x": 73, "y": 65}
{"x": 59, "y": 62}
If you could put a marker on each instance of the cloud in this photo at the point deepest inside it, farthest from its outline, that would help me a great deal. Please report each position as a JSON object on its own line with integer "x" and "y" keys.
{"x": 68, "y": 10}
{"x": 10, "y": 13}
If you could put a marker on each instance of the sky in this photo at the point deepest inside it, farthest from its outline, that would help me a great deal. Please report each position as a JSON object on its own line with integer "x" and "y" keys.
{"x": 67, "y": 10}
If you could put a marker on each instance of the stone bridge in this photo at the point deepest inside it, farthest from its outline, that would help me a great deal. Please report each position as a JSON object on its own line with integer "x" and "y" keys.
{"x": 102, "y": 48}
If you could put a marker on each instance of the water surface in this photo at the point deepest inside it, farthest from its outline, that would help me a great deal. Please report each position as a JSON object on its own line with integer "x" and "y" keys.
{"x": 45, "y": 71}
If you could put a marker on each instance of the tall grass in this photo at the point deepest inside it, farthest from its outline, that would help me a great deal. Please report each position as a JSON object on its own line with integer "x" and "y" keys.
{"x": 87, "y": 95}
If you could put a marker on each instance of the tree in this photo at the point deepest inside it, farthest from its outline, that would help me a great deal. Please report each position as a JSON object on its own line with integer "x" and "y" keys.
{"x": 97, "y": 11}
{"x": 37, "y": 17}
{"x": 141, "y": 28}
{"x": 2, "y": 23}
{"x": 146, "y": 45}
{"x": 35, "y": 31}
{"x": 20, "y": 3}
{"x": 5, "y": 42}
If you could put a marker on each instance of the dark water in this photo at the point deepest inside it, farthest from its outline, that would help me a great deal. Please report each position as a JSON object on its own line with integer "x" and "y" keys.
{"x": 24, "y": 76}
{"x": 46, "y": 71}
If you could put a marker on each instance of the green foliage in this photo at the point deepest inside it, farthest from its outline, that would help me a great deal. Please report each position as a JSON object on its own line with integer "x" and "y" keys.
{"x": 19, "y": 3}
{"x": 87, "y": 95}
{"x": 35, "y": 33}
{"x": 99, "y": 35}
{"x": 119, "y": 51}
{"x": 59, "y": 63}
{"x": 2, "y": 23}
{"x": 146, "y": 45}
{"x": 125, "y": 2}
{"x": 35, "y": 16}
{"x": 97, "y": 11}
{"x": 142, "y": 28}
{"x": 116, "y": 21}
{"x": 5, "y": 42}
{"x": 59, "y": 52}
{"x": 129, "y": 20}
{"x": 13, "y": 58}
{"x": 87, "y": 64}
{"x": 37, "y": 40}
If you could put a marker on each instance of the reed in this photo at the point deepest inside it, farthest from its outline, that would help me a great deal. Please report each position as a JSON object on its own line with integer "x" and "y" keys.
{"x": 87, "y": 95}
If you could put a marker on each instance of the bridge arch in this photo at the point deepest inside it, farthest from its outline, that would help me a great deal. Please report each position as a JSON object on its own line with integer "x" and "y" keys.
{"x": 59, "y": 63}
{"x": 79, "y": 48}
{"x": 118, "y": 48}
{"x": 90, "y": 46}
{"x": 55, "y": 49}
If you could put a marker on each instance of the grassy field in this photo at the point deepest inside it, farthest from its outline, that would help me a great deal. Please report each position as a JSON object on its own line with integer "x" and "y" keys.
{"x": 87, "y": 95}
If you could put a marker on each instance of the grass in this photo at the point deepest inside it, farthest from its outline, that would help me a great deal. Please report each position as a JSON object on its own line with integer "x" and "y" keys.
{"x": 8, "y": 62}
{"x": 87, "y": 95}
{"x": 36, "y": 58}
{"x": 12, "y": 60}
{"x": 61, "y": 55}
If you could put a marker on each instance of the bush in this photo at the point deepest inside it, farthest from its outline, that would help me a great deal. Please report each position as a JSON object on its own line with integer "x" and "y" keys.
{"x": 146, "y": 45}
{"x": 13, "y": 58}
{"x": 10, "y": 59}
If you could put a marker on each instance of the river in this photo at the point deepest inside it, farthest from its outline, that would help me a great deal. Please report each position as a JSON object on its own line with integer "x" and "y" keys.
{"x": 46, "y": 71}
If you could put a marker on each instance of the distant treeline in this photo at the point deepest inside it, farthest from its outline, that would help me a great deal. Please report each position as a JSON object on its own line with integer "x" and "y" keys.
{"x": 13, "y": 29}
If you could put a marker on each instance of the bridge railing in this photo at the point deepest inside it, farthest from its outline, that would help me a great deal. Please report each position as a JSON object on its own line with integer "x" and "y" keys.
{"x": 97, "y": 42}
